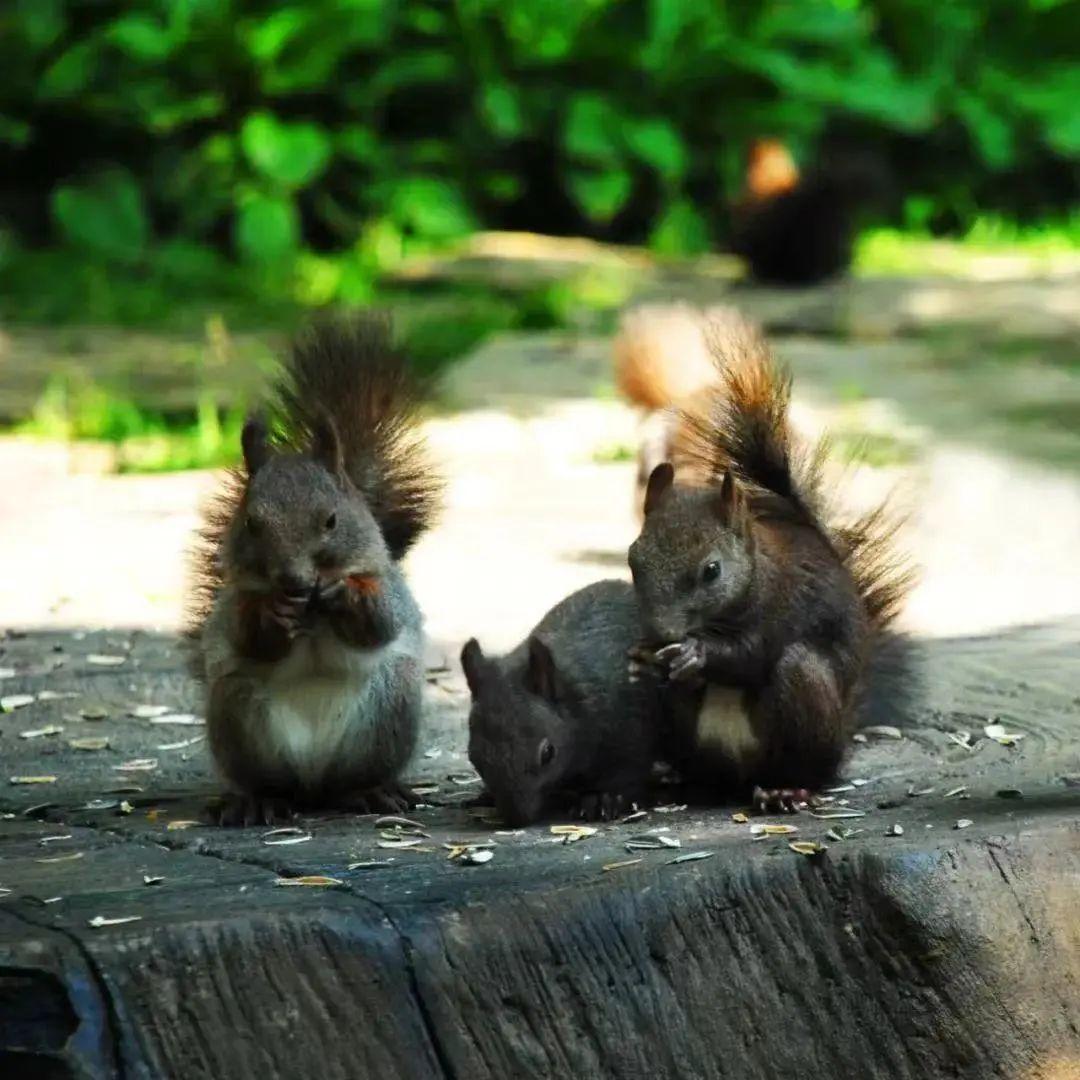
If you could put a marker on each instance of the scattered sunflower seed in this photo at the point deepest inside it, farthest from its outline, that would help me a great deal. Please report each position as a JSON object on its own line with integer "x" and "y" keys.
{"x": 861, "y": 783}
{"x": 56, "y": 695}
{"x": 807, "y": 847}
{"x": 962, "y": 738}
{"x": 401, "y": 842}
{"x": 52, "y": 900}
{"x": 883, "y": 731}
{"x": 463, "y": 779}
{"x": 101, "y": 804}
{"x": 183, "y": 719}
{"x": 914, "y": 792}
{"x": 125, "y": 807}
{"x": 839, "y": 833}
{"x": 895, "y": 830}
{"x": 1010, "y": 793}
{"x": 99, "y": 921}
{"x": 62, "y": 858}
{"x": 15, "y": 701}
{"x": 425, "y": 789}
{"x": 45, "y": 841}
{"x": 477, "y": 856}
{"x": 33, "y": 779}
{"x": 148, "y": 764}
{"x": 636, "y": 815}
{"x": 179, "y": 826}
{"x": 837, "y": 815}
{"x": 402, "y": 823}
{"x": 105, "y": 660}
{"x": 7, "y": 673}
{"x": 839, "y": 788}
{"x": 287, "y": 835}
{"x": 314, "y": 880}
{"x": 89, "y": 744}
{"x": 94, "y": 712}
{"x": 572, "y": 833}
{"x": 998, "y": 733}
{"x": 620, "y": 865}
{"x": 182, "y": 744}
{"x": 431, "y": 755}
{"x": 41, "y": 732}
{"x": 148, "y": 879}
{"x": 148, "y": 712}
{"x": 651, "y": 842}
{"x": 671, "y": 808}
{"x": 773, "y": 830}
{"x": 691, "y": 856}
{"x": 740, "y": 818}
{"x": 963, "y": 823}
{"x": 956, "y": 791}
{"x": 370, "y": 864}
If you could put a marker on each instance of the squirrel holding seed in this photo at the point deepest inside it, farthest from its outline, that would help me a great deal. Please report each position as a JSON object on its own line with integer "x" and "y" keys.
{"x": 766, "y": 624}
{"x": 305, "y": 633}
{"x": 558, "y": 724}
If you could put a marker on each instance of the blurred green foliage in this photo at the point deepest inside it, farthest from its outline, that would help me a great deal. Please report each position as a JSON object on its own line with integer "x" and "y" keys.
{"x": 313, "y": 143}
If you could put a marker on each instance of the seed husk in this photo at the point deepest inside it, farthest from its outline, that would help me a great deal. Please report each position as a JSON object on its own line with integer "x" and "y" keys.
{"x": 691, "y": 856}
{"x": 181, "y": 744}
{"x": 105, "y": 659}
{"x": 620, "y": 864}
{"x": 182, "y": 719}
{"x": 773, "y": 830}
{"x": 312, "y": 880}
{"x": 369, "y": 864}
{"x": 148, "y": 712}
{"x": 963, "y": 823}
{"x": 42, "y": 732}
{"x": 149, "y": 879}
{"x": 836, "y": 815}
{"x": 477, "y": 856}
{"x": 895, "y": 830}
{"x": 401, "y": 842}
{"x": 287, "y": 835}
{"x": 89, "y": 744}
{"x": 15, "y": 701}
{"x": 137, "y": 765}
{"x": 98, "y": 921}
{"x": 956, "y": 791}
{"x": 62, "y": 858}
{"x": 807, "y": 847}
{"x": 883, "y": 731}
{"x": 93, "y": 712}
{"x": 998, "y": 733}
{"x": 33, "y": 779}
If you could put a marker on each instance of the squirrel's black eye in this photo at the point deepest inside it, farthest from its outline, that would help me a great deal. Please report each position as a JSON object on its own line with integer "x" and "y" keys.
{"x": 547, "y": 753}
{"x": 330, "y": 522}
{"x": 710, "y": 571}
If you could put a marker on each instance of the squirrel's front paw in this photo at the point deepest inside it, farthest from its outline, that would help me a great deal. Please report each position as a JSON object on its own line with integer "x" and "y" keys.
{"x": 390, "y": 798}
{"x": 685, "y": 660}
{"x": 782, "y": 800}
{"x": 601, "y": 805}
{"x": 289, "y": 611}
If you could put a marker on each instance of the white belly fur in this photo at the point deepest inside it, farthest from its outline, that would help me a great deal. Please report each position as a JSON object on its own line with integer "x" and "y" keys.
{"x": 314, "y": 699}
{"x": 724, "y": 724}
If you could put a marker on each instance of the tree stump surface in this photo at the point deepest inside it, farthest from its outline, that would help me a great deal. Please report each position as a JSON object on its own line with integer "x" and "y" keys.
{"x": 937, "y": 952}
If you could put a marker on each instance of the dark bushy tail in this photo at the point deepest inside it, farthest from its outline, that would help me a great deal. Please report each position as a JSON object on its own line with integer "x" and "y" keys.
{"x": 741, "y": 423}
{"x": 349, "y": 370}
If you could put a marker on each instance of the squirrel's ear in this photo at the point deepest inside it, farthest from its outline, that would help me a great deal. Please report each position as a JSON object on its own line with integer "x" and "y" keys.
{"x": 253, "y": 441}
{"x": 472, "y": 661}
{"x": 660, "y": 479}
{"x": 730, "y": 506}
{"x": 325, "y": 444}
{"x": 542, "y": 678}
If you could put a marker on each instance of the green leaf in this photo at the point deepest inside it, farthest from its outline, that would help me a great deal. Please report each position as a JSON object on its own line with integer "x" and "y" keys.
{"x": 291, "y": 154}
{"x": 268, "y": 36}
{"x": 991, "y": 133}
{"x": 681, "y": 230}
{"x": 593, "y": 129}
{"x": 601, "y": 195}
{"x": 267, "y": 228}
{"x": 70, "y": 74}
{"x": 658, "y": 144}
{"x": 104, "y": 215}
{"x": 358, "y": 142}
{"x": 141, "y": 37}
{"x": 431, "y": 208}
{"x": 42, "y": 21}
{"x": 502, "y": 111}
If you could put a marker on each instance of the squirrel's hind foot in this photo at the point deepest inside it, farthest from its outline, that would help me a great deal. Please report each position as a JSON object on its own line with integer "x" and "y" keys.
{"x": 391, "y": 798}
{"x": 244, "y": 811}
{"x": 782, "y": 800}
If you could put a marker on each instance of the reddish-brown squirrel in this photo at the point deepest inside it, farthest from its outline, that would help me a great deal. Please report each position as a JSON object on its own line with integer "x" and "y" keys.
{"x": 306, "y": 635}
{"x": 767, "y": 623}
{"x": 797, "y": 229}
{"x": 662, "y": 363}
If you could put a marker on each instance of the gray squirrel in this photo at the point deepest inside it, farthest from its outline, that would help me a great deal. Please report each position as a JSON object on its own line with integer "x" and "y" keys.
{"x": 766, "y": 625}
{"x": 557, "y": 724}
{"x": 305, "y": 633}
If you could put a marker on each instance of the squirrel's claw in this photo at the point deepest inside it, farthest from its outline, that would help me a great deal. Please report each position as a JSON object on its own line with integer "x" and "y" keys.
{"x": 244, "y": 811}
{"x": 781, "y": 800}
{"x": 390, "y": 798}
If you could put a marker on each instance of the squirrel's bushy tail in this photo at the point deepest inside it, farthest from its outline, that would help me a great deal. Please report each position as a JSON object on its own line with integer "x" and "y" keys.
{"x": 740, "y": 423}
{"x": 350, "y": 371}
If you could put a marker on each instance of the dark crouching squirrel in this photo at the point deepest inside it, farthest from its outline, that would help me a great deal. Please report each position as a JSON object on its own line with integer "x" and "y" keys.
{"x": 306, "y": 635}
{"x": 557, "y": 724}
{"x": 768, "y": 624}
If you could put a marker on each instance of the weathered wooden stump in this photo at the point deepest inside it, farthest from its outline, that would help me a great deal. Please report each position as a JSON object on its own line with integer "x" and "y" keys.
{"x": 940, "y": 952}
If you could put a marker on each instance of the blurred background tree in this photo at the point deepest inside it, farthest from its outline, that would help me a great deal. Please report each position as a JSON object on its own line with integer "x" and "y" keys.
{"x": 172, "y": 140}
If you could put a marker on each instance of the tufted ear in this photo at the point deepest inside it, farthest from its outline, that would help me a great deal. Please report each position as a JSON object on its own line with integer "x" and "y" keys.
{"x": 660, "y": 479}
{"x": 326, "y": 445}
{"x": 542, "y": 677}
{"x": 731, "y": 507}
{"x": 472, "y": 663}
{"x": 255, "y": 444}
